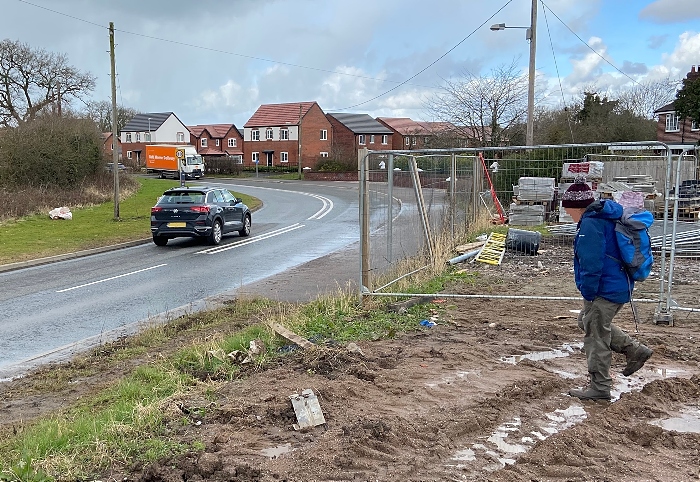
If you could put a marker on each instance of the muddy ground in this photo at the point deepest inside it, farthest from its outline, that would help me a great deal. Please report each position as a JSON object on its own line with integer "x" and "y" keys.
{"x": 482, "y": 395}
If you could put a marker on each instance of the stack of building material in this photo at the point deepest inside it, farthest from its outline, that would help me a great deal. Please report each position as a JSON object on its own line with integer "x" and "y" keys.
{"x": 526, "y": 214}
{"x": 638, "y": 183}
{"x": 592, "y": 171}
{"x": 533, "y": 189}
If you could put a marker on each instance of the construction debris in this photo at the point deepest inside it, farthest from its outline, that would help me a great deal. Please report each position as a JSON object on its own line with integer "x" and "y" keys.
{"x": 290, "y": 335}
{"x": 307, "y": 409}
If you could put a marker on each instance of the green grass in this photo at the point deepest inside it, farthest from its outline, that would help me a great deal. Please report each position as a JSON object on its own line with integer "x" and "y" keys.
{"x": 128, "y": 421}
{"x": 39, "y": 236}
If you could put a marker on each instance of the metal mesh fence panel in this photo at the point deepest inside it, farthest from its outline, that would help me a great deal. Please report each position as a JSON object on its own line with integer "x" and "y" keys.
{"x": 421, "y": 205}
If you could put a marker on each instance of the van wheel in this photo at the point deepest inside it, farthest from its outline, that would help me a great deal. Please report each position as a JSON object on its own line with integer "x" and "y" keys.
{"x": 215, "y": 235}
{"x": 160, "y": 240}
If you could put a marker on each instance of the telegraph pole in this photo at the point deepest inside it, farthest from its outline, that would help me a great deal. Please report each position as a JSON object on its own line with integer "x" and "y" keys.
{"x": 299, "y": 143}
{"x": 115, "y": 150}
{"x": 530, "y": 133}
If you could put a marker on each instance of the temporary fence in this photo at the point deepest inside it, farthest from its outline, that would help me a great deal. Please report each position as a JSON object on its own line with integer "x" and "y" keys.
{"x": 415, "y": 202}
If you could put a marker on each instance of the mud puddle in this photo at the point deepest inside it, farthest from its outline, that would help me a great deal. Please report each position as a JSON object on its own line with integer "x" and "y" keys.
{"x": 688, "y": 421}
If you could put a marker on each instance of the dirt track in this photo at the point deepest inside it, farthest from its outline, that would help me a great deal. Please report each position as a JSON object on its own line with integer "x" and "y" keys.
{"x": 480, "y": 396}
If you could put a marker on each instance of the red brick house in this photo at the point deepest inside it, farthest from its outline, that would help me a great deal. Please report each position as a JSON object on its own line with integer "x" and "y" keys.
{"x": 217, "y": 140}
{"x": 670, "y": 128}
{"x": 409, "y": 134}
{"x": 277, "y": 133}
{"x": 107, "y": 146}
{"x": 355, "y": 131}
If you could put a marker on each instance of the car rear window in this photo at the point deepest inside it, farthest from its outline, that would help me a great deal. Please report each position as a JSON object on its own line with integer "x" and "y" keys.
{"x": 182, "y": 198}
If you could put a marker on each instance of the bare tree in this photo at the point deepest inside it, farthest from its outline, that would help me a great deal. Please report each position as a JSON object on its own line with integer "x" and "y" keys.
{"x": 485, "y": 109}
{"x": 101, "y": 114}
{"x": 34, "y": 81}
{"x": 644, "y": 98}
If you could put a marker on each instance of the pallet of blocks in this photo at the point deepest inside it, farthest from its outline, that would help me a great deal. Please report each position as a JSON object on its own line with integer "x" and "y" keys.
{"x": 532, "y": 201}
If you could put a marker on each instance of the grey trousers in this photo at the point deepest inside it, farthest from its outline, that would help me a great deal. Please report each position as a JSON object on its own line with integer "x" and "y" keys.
{"x": 601, "y": 339}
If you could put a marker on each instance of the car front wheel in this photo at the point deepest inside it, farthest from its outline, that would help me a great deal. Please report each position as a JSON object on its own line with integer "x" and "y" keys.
{"x": 246, "y": 227}
{"x": 215, "y": 235}
{"x": 160, "y": 240}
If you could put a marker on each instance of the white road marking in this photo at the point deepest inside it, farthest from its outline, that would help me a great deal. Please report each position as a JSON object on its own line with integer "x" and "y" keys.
{"x": 327, "y": 206}
{"x": 271, "y": 234}
{"x": 327, "y": 203}
{"x": 110, "y": 279}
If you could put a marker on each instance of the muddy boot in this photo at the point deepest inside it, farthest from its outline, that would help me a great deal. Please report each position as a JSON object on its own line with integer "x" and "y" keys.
{"x": 636, "y": 358}
{"x": 590, "y": 393}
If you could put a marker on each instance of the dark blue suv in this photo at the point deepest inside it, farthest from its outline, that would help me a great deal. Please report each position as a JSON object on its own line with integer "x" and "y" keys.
{"x": 193, "y": 212}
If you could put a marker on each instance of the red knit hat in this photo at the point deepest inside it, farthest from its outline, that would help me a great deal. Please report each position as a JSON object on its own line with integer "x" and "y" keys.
{"x": 579, "y": 195}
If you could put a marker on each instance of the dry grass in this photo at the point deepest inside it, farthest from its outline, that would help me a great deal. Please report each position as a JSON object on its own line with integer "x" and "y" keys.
{"x": 26, "y": 201}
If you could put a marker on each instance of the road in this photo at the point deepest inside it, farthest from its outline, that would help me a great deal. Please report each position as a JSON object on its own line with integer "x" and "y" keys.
{"x": 52, "y": 311}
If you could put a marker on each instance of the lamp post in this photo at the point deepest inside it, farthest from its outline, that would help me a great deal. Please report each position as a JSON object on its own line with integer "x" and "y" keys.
{"x": 149, "y": 129}
{"x": 531, "y": 35}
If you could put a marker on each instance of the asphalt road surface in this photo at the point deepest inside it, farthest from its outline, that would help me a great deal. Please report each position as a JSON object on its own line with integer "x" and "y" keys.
{"x": 303, "y": 239}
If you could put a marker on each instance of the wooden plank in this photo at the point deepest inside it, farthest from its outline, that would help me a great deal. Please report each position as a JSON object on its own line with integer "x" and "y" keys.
{"x": 290, "y": 335}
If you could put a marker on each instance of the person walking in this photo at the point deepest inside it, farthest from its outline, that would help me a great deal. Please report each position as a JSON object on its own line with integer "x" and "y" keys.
{"x": 605, "y": 287}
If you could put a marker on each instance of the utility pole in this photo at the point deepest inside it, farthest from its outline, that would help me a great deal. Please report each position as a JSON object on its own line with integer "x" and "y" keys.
{"x": 299, "y": 143}
{"x": 530, "y": 133}
{"x": 115, "y": 150}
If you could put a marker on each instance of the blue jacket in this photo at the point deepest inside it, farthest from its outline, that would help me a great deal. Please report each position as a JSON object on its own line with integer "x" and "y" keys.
{"x": 597, "y": 269}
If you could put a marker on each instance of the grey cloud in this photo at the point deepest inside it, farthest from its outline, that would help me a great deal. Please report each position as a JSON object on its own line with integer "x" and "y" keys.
{"x": 634, "y": 67}
{"x": 656, "y": 41}
{"x": 671, "y": 11}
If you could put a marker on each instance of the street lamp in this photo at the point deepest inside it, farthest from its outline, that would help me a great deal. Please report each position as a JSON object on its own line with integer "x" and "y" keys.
{"x": 149, "y": 129}
{"x": 531, "y": 35}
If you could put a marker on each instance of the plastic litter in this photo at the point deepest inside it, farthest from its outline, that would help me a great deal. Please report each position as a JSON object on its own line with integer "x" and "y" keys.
{"x": 428, "y": 323}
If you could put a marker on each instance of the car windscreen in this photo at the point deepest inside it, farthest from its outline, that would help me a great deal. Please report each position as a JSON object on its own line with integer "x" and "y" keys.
{"x": 194, "y": 160}
{"x": 182, "y": 197}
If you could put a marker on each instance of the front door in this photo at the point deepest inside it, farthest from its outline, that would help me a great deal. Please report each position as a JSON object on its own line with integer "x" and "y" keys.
{"x": 269, "y": 159}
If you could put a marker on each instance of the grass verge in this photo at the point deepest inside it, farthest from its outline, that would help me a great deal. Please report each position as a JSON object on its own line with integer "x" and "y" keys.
{"x": 39, "y": 236}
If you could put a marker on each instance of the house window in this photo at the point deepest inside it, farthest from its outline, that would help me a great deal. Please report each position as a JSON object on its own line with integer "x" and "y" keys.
{"x": 203, "y": 142}
{"x": 284, "y": 157}
{"x": 385, "y": 139}
{"x": 694, "y": 126}
{"x": 426, "y": 140}
{"x": 672, "y": 122}
{"x": 147, "y": 137}
{"x": 324, "y": 154}
{"x": 268, "y": 134}
{"x": 128, "y": 154}
{"x": 284, "y": 134}
{"x": 361, "y": 139}
{"x": 371, "y": 139}
{"x": 128, "y": 137}
{"x": 238, "y": 159}
{"x": 324, "y": 135}
{"x": 138, "y": 137}
{"x": 413, "y": 141}
{"x": 407, "y": 141}
{"x": 217, "y": 143}
{"x": 180, "y": 137}
{"x": 232, "y": 142}
{"x": 255, "y": 135}
{"x": 256, "y": 157}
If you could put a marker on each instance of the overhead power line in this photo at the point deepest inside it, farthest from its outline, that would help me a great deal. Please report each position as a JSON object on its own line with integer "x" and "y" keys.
{"x": 431, "y": 63}
{"x": 210, "y": 49}
{"x": 586, "y": 44}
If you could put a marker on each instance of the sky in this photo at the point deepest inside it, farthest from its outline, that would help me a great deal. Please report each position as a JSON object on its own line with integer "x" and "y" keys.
{"x": 217, "y": 61}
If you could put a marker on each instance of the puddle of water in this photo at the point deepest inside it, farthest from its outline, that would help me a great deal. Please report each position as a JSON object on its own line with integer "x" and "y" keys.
{"x": 565, "y": 350}
{"x": 646, "y": 374}
{"x": 274, "y": 452}
{"x": 508, "y": 441}
{"x": 687, "y": 422}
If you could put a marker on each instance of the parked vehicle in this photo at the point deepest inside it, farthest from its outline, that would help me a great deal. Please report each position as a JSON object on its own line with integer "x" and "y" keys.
{"x": 110, "y": 166}
{"x": 169, "y": 160}
{"x": 198, "y": 212}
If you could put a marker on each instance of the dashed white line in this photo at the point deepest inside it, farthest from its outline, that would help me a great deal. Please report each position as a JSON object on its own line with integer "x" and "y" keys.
{"x": 110, "y": 279}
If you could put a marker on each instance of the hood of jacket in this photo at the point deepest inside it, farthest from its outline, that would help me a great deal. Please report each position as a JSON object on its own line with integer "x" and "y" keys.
{"x": 604, "y": 209}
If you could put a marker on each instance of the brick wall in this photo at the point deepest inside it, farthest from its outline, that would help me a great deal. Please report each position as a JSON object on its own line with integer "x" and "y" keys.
{"x": 684, "y": 135}
{"x": 344, "y": 142}
{"x": 311, "y": 144}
